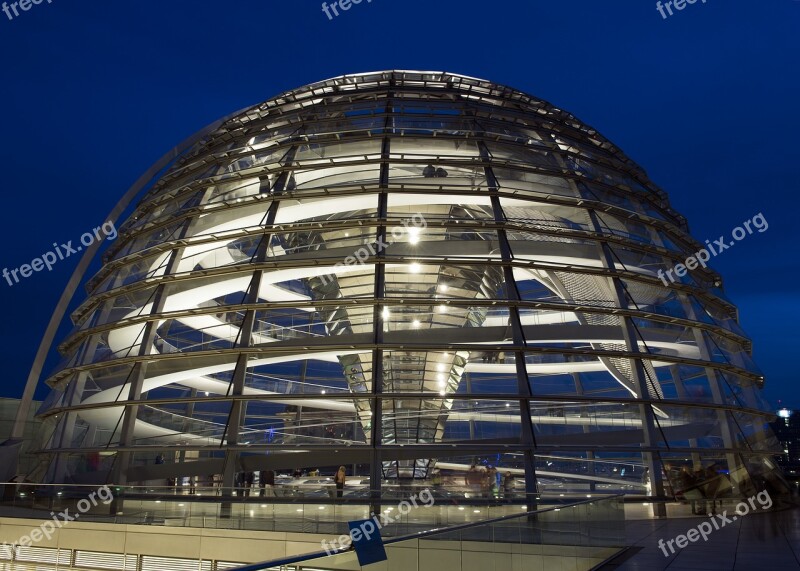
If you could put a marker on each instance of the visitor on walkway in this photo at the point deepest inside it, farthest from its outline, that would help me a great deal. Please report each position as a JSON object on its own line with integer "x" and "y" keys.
{"x": 340, "y": 478}
{"x": 508, "y": 486}
{"x": 266, "y": 481}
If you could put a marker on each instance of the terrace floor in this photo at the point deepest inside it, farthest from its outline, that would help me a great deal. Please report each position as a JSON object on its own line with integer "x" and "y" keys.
{"x": 767, "y": 541}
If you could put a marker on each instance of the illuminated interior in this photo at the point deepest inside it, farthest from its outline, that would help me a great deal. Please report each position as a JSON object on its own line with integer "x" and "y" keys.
{"x": 406, "y": 272}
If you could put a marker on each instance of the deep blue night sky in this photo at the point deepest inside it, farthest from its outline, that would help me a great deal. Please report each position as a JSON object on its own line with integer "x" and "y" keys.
{"x": 94, "y": 92}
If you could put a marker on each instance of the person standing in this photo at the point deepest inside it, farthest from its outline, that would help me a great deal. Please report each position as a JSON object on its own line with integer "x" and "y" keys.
{"x": 484, "y": 482}
{"x": 473, "y": 480}
{"x": 341, "y": 476}
{"x": 491, "y": 482}
{"x": 249, "y": 478}
{"x": 508, "y": 486}
{"x": 266, "y": 481}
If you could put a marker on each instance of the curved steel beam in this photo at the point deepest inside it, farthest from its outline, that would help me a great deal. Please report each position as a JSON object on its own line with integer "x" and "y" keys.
{"x": 78, "y": 275}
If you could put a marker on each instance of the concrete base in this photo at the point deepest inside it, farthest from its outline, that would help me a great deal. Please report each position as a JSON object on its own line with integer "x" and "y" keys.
{"x": 149, "y": 548}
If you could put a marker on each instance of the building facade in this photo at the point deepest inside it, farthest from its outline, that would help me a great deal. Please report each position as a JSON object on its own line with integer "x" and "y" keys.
{"x": 787, "y": 430}
{"x": 406, "y": 273}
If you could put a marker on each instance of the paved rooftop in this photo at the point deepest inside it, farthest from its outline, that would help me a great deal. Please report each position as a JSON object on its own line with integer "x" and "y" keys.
{"x": 768, "y": 541}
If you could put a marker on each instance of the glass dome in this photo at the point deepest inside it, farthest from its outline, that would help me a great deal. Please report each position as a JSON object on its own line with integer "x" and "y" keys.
{"x": 407, "y": 273}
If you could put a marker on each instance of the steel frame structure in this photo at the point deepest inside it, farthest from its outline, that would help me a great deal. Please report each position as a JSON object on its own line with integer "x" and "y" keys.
{"x": 507, "y": 306}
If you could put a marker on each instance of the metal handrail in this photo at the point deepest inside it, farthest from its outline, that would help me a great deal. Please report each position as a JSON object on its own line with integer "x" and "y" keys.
{"x": 418, "y": 535}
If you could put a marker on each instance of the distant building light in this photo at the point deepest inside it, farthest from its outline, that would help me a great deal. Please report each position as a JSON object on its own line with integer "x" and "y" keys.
{"x": 784, "y": 413}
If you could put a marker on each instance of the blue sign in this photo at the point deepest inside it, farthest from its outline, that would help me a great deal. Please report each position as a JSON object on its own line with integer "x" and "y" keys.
{"x": 367, "y": 540}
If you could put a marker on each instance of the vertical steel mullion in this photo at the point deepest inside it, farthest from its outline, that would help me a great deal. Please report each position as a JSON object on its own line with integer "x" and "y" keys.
{"x": 232, "y": 428}
{"x": 64, "y": 429}
{"x": 715, "y": 383}
{"x": 376, "y": 420}
{"x": 681, "y": 391}
{"x": 649, "y": 429}
{"x": 528, "y": 440}
{"x": 579, "y": 390}
{"x": 282, "y": 180}
{"x": 139, "y": 370}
